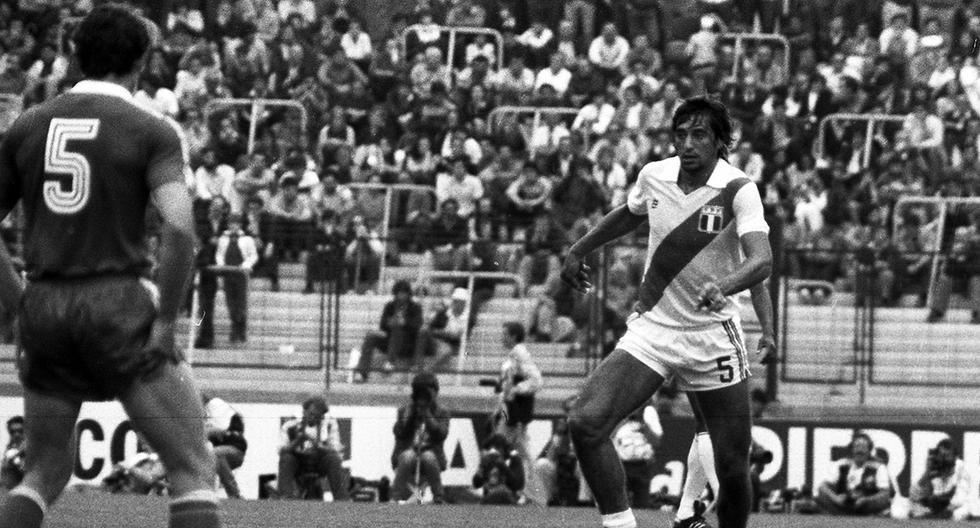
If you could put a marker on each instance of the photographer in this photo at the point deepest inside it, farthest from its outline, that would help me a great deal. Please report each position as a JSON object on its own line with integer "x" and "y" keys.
{"x": 225, "y": 429}
{"x": 12, "y": 462}
{"x": 501, "y": 472}
{"x": 858, "y": 484}
{"x": 946, "y": 490}
{"x": 420, "y": 431}
{"x": 311, "y": 446}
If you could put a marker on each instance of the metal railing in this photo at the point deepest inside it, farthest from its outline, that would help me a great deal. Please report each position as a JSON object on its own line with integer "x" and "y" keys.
{"x": 870, "y": 120}
{"x": 498, "y": 114}
{"x": 741, "y": 38}
{"x": 257, "y": 106}
{"x": 451, "y": 48}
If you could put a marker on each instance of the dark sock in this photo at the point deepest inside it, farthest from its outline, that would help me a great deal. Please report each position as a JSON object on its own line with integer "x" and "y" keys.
{"x": 18, "y": 511}
{"x": 194, "y": 514}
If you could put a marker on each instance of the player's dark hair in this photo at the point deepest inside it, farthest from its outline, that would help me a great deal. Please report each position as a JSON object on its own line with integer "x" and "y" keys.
{"x": 110, "y": 40}
{"x": 716, "y": 113}
{"x": 16, "y": 420}
{"x": 515, "y": 330}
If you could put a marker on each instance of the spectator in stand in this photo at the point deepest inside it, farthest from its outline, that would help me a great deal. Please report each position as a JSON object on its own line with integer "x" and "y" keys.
{"x": 577, "y": 196}
{"x": 640, "y": 77}
{"x": 476, "y": 74}
{"x": 291, "y": 216}
{"x": 520, "y": 380}
{"x": 236, "y": 249}
{"x": 431, "y": 69}
{"x": 363, "y": 254}
{"x": 445, "y": 234}
{"x": 632, "y": 115}
{"x": 947, "y": 488}
{"x": 748, "y": 161}
{"x": 539, "y": 265}
{"x": 310, "y": 449}
{"x": 594, "y": 118}
{"x": 480, "y": 47}
{"x": 515, "y": 83}
{"x": 611, "y": 177}
{"x": 47, "y": 72}
{"x": 306, "y": 9}
{"x": 157, "y": 97}
{"x": 13, "y": 79}
{"x": 963, "y": 263}
{"x": 329, "y": 195}
{"x": 768, "y": 72}
{"x": 922, "y": 135}
{"x": 662, "y": 111}
{"x": 527, "y": 199}
{"x": 608, "y": 53}
{"x": 255, "y": 181}
{"x": 538, "y": 41}
{"x": 461, "y": 186}
{"x": 702, "y": 55}
{"x": 420, "y": 430}
{"x": 899, "y": 42}
{"x": 212, "y": 179}
{"x": 441, "y": 337}
{"x": 858, "y": 484}
{"x": 12, "y": 461}
{"x": 585, "y": 82}
{"x": 344, "y": 80}
{"x": 226, "y": 432}
{"x": 466, "y": 13}
{"x": 357, "y": 46}
{"x": 555, "y": 75}
{"x": 325, "y": 254}
{"x": 335, "y": 134}
{"x": 401, "y": 320}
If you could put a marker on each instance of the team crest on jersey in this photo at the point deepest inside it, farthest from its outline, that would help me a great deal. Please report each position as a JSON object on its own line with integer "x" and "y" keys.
{"x": 711, "y": 219}
{"x": 654, "y": 203}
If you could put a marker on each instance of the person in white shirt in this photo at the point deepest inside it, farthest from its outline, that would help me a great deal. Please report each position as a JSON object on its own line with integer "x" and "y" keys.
{"x": 858, "y": 484}
{"x": 357, "y": 45}
{"x": 594, "y": 118}
{"x": 947, "y": 489}
{"x": 520, "y": 380}
{"x": 441, "y": 337}
{"x": 538, "y": 41}
{"x": 749, "y": 161}
{"x": 555, "y": 74}
{"x": 608, "y": 52}
{"x": 481, "y": 47}
{"x": 460, "y": 185}
{"x": 899, "y": 41}
{"x": 311, "y": 444}
{"x": 157, "y": 98}
{"x": 213, "y": 179}
{"x": 304, "y": 8}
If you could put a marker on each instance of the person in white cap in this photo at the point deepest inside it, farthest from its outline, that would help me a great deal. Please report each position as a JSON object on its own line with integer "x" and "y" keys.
{"x": 441, "y": 338}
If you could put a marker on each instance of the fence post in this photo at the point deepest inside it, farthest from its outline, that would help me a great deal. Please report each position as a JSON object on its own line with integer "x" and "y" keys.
{"x": 464, "y": 339}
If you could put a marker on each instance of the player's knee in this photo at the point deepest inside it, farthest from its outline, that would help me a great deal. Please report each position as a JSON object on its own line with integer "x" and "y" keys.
{"x": 731, "y": 462}
{"x": 586, "y": 430}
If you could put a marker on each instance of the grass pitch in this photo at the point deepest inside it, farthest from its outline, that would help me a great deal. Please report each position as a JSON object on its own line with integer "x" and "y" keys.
{"x": 96, "y": 509}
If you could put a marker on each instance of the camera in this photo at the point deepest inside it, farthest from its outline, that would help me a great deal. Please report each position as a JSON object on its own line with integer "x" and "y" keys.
{"x": 938, "y": 461}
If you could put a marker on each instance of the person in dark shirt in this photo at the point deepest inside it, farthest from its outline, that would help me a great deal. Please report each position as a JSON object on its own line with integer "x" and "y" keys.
{"x": 577, "y": 196}
{"x": 420, "y": 430}
{"x": 401, "y": 320}
{"x": 445, "y": 234}
{"x": 85, "y": 166}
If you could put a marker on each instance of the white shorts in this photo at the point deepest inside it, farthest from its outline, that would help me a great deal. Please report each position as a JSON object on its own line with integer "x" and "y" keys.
{"x": 706, "y": 358}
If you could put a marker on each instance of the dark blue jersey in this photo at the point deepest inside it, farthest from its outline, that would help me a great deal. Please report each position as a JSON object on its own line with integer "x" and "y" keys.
{"x": 84, "y": 164}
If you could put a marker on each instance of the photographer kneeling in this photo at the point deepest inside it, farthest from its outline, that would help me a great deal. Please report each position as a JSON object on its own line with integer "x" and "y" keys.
{"x": 420, "y": 430}
{"x": 858, "y": 484}
{"x": 310, "y": 447}
{"x": 946, "y": 490}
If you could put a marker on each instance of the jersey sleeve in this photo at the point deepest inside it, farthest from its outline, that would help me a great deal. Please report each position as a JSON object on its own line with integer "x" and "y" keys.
{"x": 749, "y": 215}
{"x": 9, "y": 179}
{"x": 639, "y": 194}
{"x": 167, "y": 160}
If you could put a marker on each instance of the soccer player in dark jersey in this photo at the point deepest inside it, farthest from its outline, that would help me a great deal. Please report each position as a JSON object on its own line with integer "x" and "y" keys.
{"x": 85, "y": 166}
{"x": 708, "y": 241}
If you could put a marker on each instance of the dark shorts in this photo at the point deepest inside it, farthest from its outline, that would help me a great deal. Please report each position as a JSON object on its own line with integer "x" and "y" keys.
{"x": 84, "y": 338}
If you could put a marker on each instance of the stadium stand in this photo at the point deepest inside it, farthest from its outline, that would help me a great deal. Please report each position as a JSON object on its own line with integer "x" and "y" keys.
{"x": 842, "y": 113}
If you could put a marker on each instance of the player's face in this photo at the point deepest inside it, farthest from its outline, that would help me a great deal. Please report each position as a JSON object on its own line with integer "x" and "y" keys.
{"x": 696, "y": 144}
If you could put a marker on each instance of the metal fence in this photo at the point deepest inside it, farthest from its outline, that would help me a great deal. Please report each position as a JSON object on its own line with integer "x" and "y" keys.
{"x": 451, "y": 34}
{"x": 257, "y": 108}
{"x": 739, "y": 42}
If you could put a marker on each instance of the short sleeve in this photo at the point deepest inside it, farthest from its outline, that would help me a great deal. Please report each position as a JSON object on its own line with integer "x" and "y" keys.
{"x": 749, "y": 214}
{"x": 637, "y": 198}
{"x": 167, "y": 162}
{"x": 882, "y": 479}
{"x": 9, "y": 180}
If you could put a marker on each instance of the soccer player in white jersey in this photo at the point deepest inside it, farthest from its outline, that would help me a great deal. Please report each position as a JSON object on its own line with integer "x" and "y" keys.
{"x": 703, "y": 215}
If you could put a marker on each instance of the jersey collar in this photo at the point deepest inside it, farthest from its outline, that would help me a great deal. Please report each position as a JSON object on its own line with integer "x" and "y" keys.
{"x": 102, "y": 88}
{"x": 716, "y": 180}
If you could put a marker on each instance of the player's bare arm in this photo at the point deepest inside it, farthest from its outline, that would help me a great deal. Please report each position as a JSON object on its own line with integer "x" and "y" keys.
{"x": 176, "y": 258}
{"x": 11, "y": 285}
{"x": 762, "y": 304}
{"x": 618, "y": 222}
{"x": 752, "y": 270}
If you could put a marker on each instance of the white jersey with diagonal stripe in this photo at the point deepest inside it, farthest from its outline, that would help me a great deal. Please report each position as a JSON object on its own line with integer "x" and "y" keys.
{"x": 694, "y": 238}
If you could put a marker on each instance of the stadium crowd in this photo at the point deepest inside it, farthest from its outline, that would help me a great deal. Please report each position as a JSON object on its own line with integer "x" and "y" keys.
{"x": 396, "y": 106}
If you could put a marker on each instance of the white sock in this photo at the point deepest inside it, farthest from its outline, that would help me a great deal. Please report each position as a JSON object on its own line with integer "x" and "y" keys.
{"x": 693, "y": 483}
{"x": 707, "y": 454}
{"x": 623, "y": 519}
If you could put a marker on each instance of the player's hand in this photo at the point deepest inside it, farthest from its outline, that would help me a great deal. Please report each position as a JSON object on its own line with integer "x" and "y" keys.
{"x": 575, "y": 273}
{"x": 162, "y": 340}
{"x": 767, "y": 349}
{"x": 711, "y": 298}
